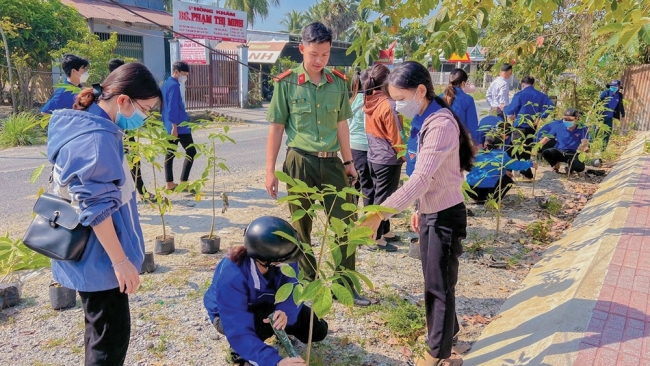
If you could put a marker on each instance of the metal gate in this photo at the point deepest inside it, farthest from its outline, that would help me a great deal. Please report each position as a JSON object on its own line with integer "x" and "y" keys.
{"x": 636, "y": 94}
{"x": 215, "y": 85}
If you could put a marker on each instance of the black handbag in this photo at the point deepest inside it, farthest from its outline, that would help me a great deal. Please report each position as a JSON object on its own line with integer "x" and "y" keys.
{"x": 55, "y": 231}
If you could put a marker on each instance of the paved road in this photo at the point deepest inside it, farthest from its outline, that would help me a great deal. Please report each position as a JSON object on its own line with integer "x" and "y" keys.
{"x": 17, "y": 195}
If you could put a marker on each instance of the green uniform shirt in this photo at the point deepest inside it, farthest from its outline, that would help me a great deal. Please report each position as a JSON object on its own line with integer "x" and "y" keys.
{"x": 310, "y": 113}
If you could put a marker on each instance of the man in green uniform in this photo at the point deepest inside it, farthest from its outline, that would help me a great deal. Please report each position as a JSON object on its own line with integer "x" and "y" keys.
{"x": 311, "y": 104}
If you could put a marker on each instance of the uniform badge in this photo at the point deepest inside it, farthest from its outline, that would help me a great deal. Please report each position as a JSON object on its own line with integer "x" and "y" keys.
{"x": 411, "y": 156}
{"x": 329, "y": 78}
{"x": 339, "y": 74}
{"x": 301, "y": 79}
{"x": 283, "y": 75}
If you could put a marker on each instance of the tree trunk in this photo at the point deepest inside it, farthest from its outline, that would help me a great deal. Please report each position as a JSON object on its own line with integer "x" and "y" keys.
{"x": 14, "y": 102}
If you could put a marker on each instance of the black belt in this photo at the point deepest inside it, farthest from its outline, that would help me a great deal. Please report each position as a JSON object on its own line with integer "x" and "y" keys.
{"x": 320, "y": 154}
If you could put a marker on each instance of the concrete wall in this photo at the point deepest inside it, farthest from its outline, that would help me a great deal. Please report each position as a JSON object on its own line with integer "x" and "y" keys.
{"x": 152, "y": 43}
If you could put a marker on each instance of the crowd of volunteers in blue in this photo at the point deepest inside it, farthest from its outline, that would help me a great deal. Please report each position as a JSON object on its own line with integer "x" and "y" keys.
{"x": 89, "y": 122}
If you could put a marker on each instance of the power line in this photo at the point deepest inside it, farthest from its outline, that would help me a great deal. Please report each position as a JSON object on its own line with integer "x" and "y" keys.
{"x": 213, "y": 49}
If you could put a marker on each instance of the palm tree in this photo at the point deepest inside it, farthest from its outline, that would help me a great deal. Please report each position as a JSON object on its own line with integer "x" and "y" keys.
{"x": 293, "y": 22}
{"x": 338, "y": 15}
{"x": 353, "y": 31}
{"x": 254, "y": 8}
{"x": 316, "y": 12}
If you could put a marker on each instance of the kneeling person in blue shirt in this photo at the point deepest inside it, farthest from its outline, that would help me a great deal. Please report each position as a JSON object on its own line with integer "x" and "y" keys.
{"x": 242, "y": 295}
{"x": 491, "y": 164}
{"x": 569, "y": 140}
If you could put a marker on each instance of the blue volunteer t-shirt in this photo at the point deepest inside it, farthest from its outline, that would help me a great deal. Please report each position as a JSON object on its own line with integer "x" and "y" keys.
{"x": 547, "y": 128}
{"x": 61, "y": 99}
{"x": 568, "y": 140}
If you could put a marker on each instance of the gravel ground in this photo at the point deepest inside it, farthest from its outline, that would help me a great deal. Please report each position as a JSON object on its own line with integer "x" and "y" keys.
{"x": 170, "y": 326}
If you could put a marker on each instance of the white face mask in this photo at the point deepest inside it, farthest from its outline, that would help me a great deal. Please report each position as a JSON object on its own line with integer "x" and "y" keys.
{"x": 84, "y": 77}
{"x": 409, "y": 109}
{"x": 469, "y": 88}
{"x": 182, "y": 79}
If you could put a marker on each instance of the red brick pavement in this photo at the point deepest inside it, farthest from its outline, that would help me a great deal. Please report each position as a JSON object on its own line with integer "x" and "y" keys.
{"x": 619, "y": 330}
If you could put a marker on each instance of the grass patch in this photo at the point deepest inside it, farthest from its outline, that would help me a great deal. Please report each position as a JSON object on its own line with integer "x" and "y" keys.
{"x": 539, "y": 230}
{"x": 54, "y": 342}
{"x": 159, "y": 349}
{"x": 22, "y": 129}
{"x": 404, "y": 320}
{"x": 475, "y": 244}
{"x": 198, "y": 293}
{"x": 554, "y": 205}
{"x": 178, "y": 279}
{"x": 148, "y": 284}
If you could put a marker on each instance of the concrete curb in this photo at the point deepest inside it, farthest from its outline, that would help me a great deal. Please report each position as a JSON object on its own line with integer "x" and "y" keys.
{"x": 544, "y": 321}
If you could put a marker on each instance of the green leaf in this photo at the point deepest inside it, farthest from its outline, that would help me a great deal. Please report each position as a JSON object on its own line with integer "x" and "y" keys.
{"x": 359, "y": 232}
{"x": 322, "y": 302}
{"x": 343, "y": 295}
{"x": 352, "y": 247}
{"x": 609, "y": 28}
{"x": 378, "y": 208}
{"x": 286, "y": 236}
{"x": 366, "y": 280}
{"x": 351, "y": 275}
{"x": 301, "y": 189}
{"x": 311, "y": 290}
{"x": 297, "y": 215}
{"x": 288, "y": 271}
{"x": 284, "y": 178}
{"x": 297, "y": 294}
{"x": 338, "y": 226}
{"x": 335, "y": 252}
{"x": 289, "y": 198}
{"x": 283, "y": 292}
{"x": 349, "y": 207}
{"x": 36, "y": 173}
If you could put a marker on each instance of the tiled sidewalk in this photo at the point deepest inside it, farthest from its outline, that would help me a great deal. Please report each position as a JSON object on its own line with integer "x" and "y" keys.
{"x": 619, "y": 330}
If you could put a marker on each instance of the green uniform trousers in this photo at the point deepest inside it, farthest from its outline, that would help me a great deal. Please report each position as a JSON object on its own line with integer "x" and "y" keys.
{"x": 315, "y": 172}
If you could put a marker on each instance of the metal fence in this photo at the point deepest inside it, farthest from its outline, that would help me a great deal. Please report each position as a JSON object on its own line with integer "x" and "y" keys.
{"x": 636, "y": 94}
{"x": 215, "y": 85}
{"x": 442, "y": 78}
{"x": 35, "y": 86}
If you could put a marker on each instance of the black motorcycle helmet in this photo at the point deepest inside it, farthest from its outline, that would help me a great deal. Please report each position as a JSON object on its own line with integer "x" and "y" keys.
{"x": 262, "y": 244}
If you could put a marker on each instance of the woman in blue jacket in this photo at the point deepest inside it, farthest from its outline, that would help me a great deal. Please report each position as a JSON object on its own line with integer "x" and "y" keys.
{"x": 85, "y": 145}
{"x": 242, "y": 296}
{"x": 462, "y": 103}
{"x": 491, "y": 165}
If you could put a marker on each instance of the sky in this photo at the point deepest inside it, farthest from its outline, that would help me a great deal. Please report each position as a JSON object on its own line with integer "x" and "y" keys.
{"x": 272, "y": 22}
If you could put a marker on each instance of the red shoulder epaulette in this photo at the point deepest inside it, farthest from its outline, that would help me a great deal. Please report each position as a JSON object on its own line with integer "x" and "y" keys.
{"x": 282, "y": 75}
{"x": 339, "y": 74}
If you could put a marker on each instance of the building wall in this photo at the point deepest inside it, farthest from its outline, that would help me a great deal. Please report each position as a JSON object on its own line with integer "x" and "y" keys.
{"x": 152, "y": 43}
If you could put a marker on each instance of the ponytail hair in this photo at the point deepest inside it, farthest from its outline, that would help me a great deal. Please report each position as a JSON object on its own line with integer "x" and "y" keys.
{"x": 409, "y": 75}
{"x": 377, "y": 77}
{"x": 355, "y": 85}
{"x": 456, "y": 78}
{"x": 133, "y": 80}
{"x": 237, "y": 254}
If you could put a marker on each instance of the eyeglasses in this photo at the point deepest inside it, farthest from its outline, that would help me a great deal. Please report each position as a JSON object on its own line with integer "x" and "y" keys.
{"x": 148, "y": 113}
